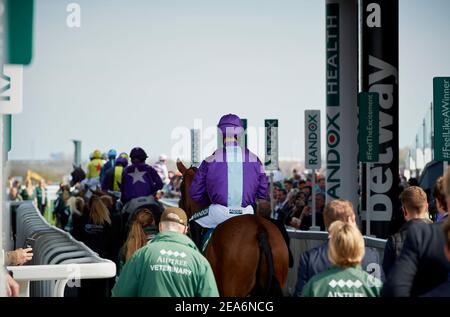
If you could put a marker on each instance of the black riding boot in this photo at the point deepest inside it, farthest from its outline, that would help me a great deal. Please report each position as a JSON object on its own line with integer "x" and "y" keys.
{"x": 196, "y": 233}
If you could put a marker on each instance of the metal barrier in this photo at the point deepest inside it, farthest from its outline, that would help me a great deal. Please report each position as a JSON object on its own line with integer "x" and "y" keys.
{"x": 58, "y": 260}
{"x": 302, "y": 241}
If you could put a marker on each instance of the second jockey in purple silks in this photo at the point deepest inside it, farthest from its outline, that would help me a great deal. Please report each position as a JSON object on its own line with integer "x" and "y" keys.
{"x": 230, "y": 181}
{"x": 139, "y": 179}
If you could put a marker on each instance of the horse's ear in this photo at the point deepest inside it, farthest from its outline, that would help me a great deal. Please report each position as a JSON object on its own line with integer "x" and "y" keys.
{"x": 74, "y": 166}
{"x": 181, "y": 167}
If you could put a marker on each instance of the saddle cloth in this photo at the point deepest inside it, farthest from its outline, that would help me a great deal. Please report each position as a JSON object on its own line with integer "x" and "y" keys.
{"x": 215, "y": 214}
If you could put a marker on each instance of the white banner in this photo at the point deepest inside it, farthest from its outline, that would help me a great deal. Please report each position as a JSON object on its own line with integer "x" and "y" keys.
{"x": 342, "y": 109}
{"x": 11, "y": 89}
{"x": 195, "y": 147}
{"x": 312, "y": 140}
{"x": 271, "y": 157}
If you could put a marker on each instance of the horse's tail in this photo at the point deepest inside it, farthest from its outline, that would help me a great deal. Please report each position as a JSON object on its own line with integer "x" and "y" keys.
{"x": 272, "y": 286}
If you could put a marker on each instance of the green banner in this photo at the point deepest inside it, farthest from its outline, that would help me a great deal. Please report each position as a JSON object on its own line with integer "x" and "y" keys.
{"x": 8, "y": 131}
{"x": 369, "y": 126}
{"x": 19, "y": 26}
{"x": 441, "y": 109}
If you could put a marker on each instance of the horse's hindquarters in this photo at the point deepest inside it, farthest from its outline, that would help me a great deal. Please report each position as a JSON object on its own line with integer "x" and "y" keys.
{"x": 236, "y": 258}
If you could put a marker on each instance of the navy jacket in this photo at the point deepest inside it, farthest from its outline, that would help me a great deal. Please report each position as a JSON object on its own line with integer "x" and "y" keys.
{"x": 316, "y": 261}
{"x": 394, "y": 245}
{"x": 422, "y": 265}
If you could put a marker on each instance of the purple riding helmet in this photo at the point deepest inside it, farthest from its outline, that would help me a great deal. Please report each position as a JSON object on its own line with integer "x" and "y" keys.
{"x": 139, "y": 154}
{"x": 230, "y": 125}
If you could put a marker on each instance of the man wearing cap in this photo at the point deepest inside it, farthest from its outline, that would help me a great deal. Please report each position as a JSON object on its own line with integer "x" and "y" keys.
{"x": 170, "y": 265}
{"x": 139, "y": 179}
{"x": 229, "y": 181}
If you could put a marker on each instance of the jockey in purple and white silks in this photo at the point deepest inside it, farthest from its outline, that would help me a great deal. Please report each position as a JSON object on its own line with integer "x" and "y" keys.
{"x": 230, "y": 181}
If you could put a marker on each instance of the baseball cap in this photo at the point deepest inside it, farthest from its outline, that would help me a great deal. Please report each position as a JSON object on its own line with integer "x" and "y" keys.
{"x": 174, "y": 214}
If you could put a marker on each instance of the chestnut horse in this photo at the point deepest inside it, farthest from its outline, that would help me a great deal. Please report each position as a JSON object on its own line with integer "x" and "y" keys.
{"x": 247, "y": 253}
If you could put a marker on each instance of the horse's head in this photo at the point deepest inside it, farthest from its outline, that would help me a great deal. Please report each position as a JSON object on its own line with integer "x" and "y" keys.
{"x": 77, "y": 175}
{"x": 186, "y": 202}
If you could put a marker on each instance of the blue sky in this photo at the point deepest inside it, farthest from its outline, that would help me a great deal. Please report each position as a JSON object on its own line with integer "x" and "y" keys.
{"x": 134, "y": 71}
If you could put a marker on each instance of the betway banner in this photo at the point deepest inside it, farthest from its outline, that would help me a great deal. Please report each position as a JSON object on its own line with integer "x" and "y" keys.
{"x": 379, "y": 74}
{"x": 342, "y": 100}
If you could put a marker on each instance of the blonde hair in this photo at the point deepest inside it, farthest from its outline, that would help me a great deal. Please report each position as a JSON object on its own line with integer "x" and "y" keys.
{"x": 346, "y": 247}
{"x": 76, "y": 205}
{"x": 99, "y": 214}
{"x": 136, "y": 237}
{"x": 339, "y": 209}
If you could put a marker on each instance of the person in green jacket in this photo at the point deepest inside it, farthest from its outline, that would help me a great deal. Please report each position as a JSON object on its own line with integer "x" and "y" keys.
{"x": 346, "y": 278}
{"x": 169, "y": 266}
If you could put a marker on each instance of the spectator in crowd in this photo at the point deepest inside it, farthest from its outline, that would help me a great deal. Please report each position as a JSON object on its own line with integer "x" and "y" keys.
{"x": 288, "y": 185}
{"x": 76, "y": 208}
{"x": 278, "y": 176}
{"x": 93, "y": 228}
{"x": 296, "y": 177}
{"x": 415, "y": 208}
{"x": 14, "y": 194}
{"x": 19, "y": 256}
{"x": 322, "y": 184}
{"x": 443, "y": 290}
{"x": 345, "y": 252}
{"x": 41, "y": 196}
{"x": 441, "y": 202}
{"x": 281, "y": 210}
{"x": 422, "y": 265}
{"x": 307, "y": 189}
{"x": 296, "y": 210}
{"x": 413, "y": 182}
{"x": 151, "y": 271}
{"x": 61, "y": 209}
{"x": 142, "y": 230}
{"x": 27, "y": 191}
{"x": 301, "y": 184}
{"x": 12, "y": 287}
{"x": 315, "y": 261}
{"x": 304, "y": 222}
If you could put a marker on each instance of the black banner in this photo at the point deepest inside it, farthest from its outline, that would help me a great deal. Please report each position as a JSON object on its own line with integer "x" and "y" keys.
{"x": 379, "y": 73}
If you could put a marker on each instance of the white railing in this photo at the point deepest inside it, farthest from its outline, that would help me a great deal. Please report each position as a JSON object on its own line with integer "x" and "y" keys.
{"x": 58, "y": 260}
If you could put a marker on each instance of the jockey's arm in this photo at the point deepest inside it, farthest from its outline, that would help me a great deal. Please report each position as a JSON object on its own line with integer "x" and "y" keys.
{"x": 263, "y": 186}
{"x": 198, "y": 189}
{"x": 123, "y": 194}
{"x": 89, "y": 173}
{"x": 157, "y": 182}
